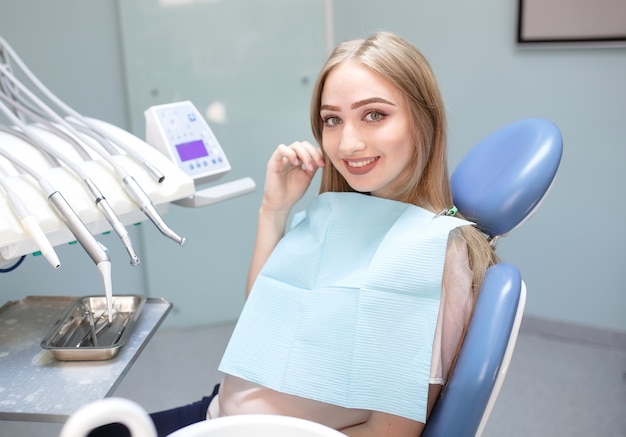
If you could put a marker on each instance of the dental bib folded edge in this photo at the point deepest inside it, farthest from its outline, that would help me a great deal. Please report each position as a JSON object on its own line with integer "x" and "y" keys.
{"x": 346, "y": 306}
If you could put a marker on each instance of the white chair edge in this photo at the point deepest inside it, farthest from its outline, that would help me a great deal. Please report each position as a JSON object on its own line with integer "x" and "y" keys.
{"x": 504, "y": 367}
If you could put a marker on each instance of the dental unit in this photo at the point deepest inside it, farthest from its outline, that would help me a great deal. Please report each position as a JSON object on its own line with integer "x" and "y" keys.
{"x": 75, "y": 159}
{"x": 129, "y": 183}
{"x": 38, "y": 141}
{"x": 96, "y": 250}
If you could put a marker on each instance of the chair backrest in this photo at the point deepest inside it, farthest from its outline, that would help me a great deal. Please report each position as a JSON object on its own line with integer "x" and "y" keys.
{"x": 501, "y": 182}
{"x": 465, "y": 405}
{"x": 498, "y": 185}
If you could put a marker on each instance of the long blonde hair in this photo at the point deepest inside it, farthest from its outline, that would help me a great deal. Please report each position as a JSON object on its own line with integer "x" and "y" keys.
{"x": 427, "y": 181}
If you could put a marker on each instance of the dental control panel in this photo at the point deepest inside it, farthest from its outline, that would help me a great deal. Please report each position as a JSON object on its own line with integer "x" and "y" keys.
{"x": 180, "y": 132}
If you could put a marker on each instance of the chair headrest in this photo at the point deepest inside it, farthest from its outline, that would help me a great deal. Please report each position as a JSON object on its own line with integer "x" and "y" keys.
{"x": 500, "y": 183}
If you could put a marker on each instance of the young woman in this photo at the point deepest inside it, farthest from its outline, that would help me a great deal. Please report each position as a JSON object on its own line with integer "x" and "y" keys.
{"x": 379, "y": 119}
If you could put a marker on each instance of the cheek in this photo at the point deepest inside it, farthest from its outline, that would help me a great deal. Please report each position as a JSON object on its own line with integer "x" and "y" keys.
{"x": 329, "y": 148}
{"x": 404, "y": 154}
{"x": 330, "y": 144}
{"x": 403, "y": 149}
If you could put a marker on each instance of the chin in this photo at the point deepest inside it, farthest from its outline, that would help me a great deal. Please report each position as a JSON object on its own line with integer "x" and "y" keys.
{"x": 361, "y": 188}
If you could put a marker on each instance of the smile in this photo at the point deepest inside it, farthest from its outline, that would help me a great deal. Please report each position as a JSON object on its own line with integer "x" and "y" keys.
{"x": 361, "y": 163}
{"x": 361, "y": 166}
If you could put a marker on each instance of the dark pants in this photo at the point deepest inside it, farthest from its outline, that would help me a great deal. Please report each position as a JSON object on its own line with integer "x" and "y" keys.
{"x": 166, "y": 422}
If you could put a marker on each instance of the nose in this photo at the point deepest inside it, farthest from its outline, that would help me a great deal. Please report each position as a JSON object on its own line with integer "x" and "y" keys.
{"x": 352, "y": 140}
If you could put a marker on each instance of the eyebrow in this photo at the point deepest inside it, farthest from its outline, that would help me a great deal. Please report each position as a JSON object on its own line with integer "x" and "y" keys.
{"x": 358, "y": 104}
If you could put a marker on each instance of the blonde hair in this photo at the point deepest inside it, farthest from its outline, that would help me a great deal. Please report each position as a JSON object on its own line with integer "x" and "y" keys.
{"x": 427, "y": 179}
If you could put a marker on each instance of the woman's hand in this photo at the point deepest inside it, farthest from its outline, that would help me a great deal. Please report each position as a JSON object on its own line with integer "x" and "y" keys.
{"x": 289, "y": 173}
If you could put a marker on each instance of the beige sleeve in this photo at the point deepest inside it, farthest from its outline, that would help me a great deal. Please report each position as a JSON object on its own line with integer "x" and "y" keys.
{"x": 455, "y": 308}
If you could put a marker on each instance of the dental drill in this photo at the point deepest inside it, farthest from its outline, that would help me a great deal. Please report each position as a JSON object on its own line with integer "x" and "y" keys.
{"x": 101, "y": 202}
{"x": 131, "y": 186}
{"x": 96, "y": 251}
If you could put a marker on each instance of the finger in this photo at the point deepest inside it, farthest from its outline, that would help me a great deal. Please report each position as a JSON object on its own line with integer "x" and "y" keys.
{"x": 282, "y": 158}
{"x": 309, "y": 155}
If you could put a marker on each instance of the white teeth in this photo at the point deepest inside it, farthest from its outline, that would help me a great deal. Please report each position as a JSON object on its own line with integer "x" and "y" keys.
{"x": 361, "y": 163}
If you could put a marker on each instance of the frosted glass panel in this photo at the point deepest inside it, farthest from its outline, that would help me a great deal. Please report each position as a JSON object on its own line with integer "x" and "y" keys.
{"x": 249, "y": 67}
{"x": 231, "y": 51}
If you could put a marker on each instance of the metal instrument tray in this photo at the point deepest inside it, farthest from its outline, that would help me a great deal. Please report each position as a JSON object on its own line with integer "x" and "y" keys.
{"x": 84, "y": 332}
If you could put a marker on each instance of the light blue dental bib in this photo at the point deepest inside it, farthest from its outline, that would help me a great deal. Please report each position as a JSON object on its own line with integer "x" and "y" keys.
{"x": 344, "y": 310}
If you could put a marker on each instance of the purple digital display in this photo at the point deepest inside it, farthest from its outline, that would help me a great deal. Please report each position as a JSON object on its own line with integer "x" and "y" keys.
{"x": 191, "y": 150}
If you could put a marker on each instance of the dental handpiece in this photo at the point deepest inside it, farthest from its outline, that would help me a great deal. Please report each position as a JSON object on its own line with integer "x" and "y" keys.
{"x": 93, "y": 248}
{"x": 103, "y": 205}
{"x": 113, "y": 220}
{"x": 145, "y": 205}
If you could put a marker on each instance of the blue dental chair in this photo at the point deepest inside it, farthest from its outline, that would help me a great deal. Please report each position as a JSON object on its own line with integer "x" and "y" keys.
{"x": 498, "y": 185}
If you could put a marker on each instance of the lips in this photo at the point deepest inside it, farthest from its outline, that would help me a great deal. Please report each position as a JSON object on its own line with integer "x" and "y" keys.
{"x": 360, "y": 166}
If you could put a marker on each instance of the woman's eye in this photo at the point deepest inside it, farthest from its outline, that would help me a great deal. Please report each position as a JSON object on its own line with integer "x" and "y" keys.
{"x": 374, "y": 116}
{"x": 332, "y": 120}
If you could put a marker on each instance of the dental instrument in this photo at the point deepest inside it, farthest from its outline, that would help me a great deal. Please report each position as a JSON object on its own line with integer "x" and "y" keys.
{"x": 30, "y": 224}
{"x": 94, "y": 248}
{"x": 129, "y": 183}
{"x": 131, "y": 186}
{"x": 7, "y": 53}
{"x": 100, "y": 200}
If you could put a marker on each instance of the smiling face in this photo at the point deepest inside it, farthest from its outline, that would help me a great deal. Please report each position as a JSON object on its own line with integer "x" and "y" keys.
{"x": 366, "y": 130}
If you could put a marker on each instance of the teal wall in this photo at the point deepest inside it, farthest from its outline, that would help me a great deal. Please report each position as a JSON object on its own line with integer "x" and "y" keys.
{"x": 112, "y": 60}
{"x": 258, "y": 60}
{"x": 570, "y": 252}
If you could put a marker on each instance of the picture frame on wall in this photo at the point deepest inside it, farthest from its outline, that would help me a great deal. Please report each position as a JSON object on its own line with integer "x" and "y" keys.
{"x": 592, "y": 23}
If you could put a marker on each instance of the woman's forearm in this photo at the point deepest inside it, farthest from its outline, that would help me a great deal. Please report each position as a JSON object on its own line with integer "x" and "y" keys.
{"x": 270, "y": 229}
{"x": 289, "y": 173}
